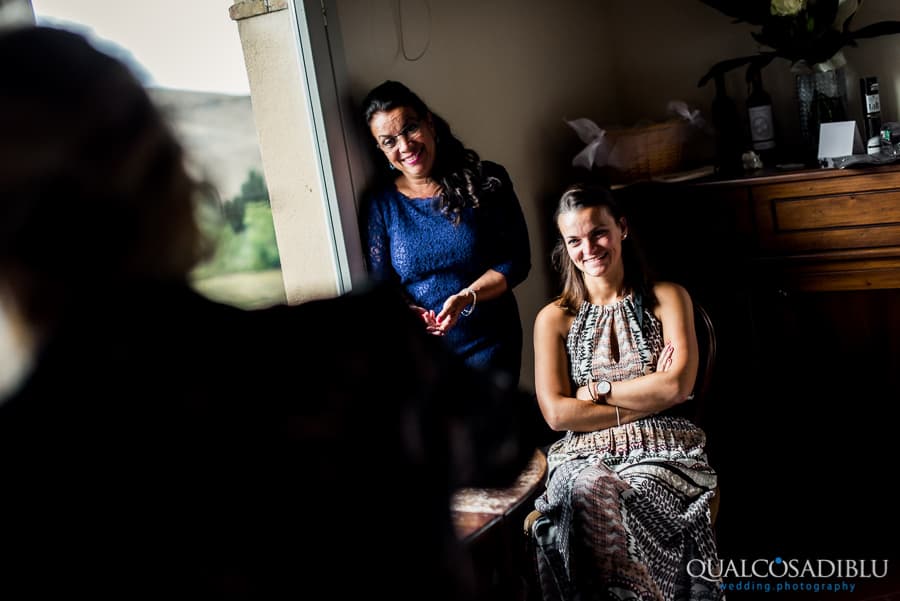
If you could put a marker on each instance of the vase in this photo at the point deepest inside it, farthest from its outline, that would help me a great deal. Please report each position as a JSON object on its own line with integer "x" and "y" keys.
{"x": 821, "y": 98}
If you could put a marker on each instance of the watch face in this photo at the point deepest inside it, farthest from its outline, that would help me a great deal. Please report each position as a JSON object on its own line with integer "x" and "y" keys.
{"x": 603, "y": 387}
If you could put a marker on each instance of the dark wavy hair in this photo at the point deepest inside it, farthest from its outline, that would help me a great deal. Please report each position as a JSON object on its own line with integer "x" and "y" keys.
{"x": 94, "y": 189}
{"x": 637, "y": 275}
{"x": 457, "y": 169}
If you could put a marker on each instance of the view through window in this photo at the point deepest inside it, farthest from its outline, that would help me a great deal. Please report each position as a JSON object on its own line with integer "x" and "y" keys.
{"x": 188, "y": 55}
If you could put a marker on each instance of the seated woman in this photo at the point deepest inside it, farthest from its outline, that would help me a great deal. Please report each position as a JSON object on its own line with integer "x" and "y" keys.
{"x": 627, "y": 500}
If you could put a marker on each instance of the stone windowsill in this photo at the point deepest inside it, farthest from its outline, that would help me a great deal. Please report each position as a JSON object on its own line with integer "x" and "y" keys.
{"x": 244, "y": 9}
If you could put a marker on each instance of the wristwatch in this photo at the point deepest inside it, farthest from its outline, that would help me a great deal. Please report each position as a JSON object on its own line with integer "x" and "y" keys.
{"x": 602, "y": 388}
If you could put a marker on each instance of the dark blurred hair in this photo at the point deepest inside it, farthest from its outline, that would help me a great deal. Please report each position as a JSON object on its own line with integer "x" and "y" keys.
{"x": 93, "y": 185}
{"x": 637, "y": 276}
{"x": 457, "y": 169}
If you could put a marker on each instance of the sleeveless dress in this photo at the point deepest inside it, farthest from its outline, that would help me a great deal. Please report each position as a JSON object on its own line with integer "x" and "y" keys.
{"x": 626, "y": 508}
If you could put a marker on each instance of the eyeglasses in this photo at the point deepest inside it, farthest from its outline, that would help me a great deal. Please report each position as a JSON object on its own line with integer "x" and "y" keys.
{"x": 411, "y": 132}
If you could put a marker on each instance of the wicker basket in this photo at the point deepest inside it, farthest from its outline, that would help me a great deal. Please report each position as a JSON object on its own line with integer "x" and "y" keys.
{"x": 640, "y": 152}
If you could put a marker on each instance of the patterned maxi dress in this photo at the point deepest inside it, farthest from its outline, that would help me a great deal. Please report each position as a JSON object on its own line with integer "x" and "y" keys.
{"x": 626, "y": 508}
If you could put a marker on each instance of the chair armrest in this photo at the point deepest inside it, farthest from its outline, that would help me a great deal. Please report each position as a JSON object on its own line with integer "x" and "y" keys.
{"x": 530, "y": 519}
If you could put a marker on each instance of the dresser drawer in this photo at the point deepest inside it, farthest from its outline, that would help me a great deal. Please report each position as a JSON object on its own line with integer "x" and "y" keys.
{"x": 858, "y": 211}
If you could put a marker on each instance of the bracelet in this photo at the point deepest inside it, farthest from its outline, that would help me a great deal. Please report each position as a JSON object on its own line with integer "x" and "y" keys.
{"x": 618, "y": 421}
{"x": 468, "y": 310}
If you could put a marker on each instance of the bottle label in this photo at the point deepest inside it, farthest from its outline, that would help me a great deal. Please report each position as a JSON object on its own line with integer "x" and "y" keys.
{"x": 873, "y": 103}
{"x": 762, "y": 130}
{"x": 873, "y": 145}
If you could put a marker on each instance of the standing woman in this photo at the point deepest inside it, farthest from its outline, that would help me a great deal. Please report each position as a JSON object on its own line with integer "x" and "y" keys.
{"x": 446, "y": 227}
{"x": 627, "y": 501}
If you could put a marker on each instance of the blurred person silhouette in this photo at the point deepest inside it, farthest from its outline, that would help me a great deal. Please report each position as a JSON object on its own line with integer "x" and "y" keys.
{"x": 155, "y": 443}
{"x": 448, "y": 228}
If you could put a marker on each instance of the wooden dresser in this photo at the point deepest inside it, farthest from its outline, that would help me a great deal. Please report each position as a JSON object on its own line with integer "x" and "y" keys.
{"x": 800, "y": 273}
{"x": 820, "y": 229}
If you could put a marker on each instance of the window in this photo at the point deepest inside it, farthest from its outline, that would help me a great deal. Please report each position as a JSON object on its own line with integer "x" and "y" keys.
{"x": 188, "y": 55}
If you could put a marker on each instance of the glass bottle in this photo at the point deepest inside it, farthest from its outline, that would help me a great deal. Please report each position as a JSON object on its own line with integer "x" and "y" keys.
{"x": 871, "y": 104}
{"x": 728, "y": 136}
{"x": 759, "y": 113}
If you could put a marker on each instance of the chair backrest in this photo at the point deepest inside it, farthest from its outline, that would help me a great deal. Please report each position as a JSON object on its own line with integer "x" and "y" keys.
{"x": 706, "y": 345}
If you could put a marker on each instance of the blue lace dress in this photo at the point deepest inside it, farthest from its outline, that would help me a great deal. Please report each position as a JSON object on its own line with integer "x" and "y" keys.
{"x": 412, "y": 245}
{"x": 626, "y": 508}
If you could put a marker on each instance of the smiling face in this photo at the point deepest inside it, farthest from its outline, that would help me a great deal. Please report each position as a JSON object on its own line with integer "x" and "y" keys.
{"x": 593, "y": 240}
{"x": 406, "y": 139}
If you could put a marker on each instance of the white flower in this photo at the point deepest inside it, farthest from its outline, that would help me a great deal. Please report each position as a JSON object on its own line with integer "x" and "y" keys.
{"x": 786, "y": 8}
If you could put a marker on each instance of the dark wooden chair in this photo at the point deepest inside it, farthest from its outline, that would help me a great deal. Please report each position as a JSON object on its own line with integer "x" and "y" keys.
{"x": 706, "y": 348}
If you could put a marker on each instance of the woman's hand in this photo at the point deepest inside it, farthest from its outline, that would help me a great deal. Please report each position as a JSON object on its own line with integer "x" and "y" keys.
{"x": 432, "y": 325}
{"x": 665, "y": 357}
{"x": 453, "y": 306}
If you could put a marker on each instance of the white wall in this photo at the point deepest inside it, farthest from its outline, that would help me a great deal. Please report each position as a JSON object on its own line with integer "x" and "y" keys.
{"x": 506, "y": 73}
